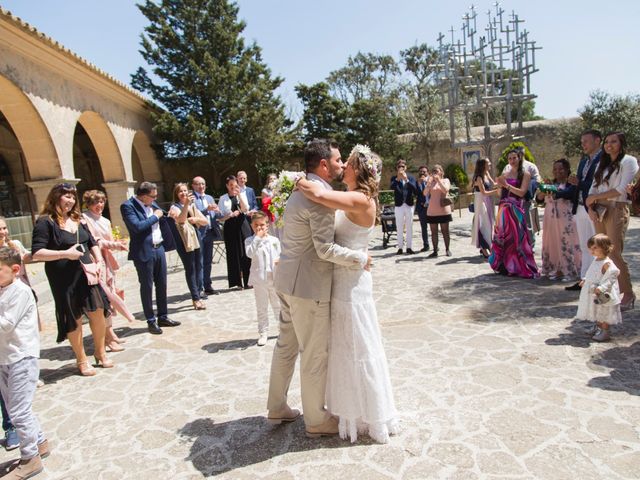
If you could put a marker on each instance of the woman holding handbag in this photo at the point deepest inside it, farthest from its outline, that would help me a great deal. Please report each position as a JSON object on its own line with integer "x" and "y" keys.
{"x": 187, "y": 221}
{"x": 63, "y": 242}
{"x": 100, "y": 228}
{"x": 439, "y": 209}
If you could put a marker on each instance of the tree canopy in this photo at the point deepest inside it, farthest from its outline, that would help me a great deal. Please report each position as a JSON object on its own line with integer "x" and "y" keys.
{"x": 216, "y": 94}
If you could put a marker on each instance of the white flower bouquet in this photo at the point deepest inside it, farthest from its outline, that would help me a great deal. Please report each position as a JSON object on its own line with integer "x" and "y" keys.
{"x": 282, "y": 189}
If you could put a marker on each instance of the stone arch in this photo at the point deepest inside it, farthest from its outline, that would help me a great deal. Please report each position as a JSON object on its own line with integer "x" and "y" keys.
{"x": 144, "y": 160}
{"x": 105, "y": 146}
{"x": 40, "y": 154}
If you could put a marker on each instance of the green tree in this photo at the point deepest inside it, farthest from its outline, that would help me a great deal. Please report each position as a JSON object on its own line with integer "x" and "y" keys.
{"x": 365, "y": 76}
{"x": 216, "y": 93}
{"x": 605, "y": 112}
{"x": 502, "y": 161}
{"x": 324, "y": 116}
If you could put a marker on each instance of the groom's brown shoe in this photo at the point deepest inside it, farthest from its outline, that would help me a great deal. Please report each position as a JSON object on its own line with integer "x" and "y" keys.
{"x": 286, "y": 415}
{"x": 328, "y": 428}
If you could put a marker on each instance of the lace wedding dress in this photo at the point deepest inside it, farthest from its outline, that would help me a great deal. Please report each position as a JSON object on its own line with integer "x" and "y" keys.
{"x": 358, "y": 386}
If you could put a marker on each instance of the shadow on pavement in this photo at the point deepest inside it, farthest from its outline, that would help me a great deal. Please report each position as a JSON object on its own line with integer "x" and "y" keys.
{"x": 221, "y": 447}
{"x": 625, "y": 373}
{"x": 230, "y": 345}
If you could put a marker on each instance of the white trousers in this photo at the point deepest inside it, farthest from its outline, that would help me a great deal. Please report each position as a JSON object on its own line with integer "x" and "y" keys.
{"x": 265, "y": 293}
{"x": 404, "y": 221}
{"x": 18, "y": 383}
{"x": 586, "y": 230}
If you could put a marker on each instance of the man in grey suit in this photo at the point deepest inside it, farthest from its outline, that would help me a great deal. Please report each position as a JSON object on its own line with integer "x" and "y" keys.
{"x": 303, "y": 283}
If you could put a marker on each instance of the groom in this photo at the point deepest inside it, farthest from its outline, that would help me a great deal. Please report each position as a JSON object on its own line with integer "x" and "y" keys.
{"x": 303, "y": 284}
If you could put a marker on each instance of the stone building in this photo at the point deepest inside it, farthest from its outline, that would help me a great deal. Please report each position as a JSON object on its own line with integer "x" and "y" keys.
{"x": 62, "y": 119}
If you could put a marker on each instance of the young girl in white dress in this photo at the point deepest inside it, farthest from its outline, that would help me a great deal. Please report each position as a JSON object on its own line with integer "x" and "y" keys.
{"x": 600, "y": 295}
{"x": 358, "y": 385}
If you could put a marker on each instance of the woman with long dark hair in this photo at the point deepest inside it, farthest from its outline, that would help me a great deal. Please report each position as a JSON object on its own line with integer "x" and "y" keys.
{"x": 236, "y": 230}
{"x": 484, "y": 216}
{"x": 62, "y": 242}
{"x": 609, "y": 206}
{"x": 561, "y": 255}
{"x": 511, "y": 250}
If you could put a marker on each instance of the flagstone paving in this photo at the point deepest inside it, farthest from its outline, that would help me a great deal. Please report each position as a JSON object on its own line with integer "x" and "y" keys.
{"x": 492, "y": 377}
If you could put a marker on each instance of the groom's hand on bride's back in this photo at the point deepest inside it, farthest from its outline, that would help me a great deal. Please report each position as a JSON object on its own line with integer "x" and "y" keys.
{"x": 367, "y": 265}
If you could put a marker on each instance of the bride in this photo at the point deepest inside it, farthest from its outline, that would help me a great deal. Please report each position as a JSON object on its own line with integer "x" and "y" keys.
{"x": 358, "y": 385}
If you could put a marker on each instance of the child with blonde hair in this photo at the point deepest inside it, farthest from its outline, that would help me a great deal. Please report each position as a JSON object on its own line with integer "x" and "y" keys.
{"x": 600, "y": 294}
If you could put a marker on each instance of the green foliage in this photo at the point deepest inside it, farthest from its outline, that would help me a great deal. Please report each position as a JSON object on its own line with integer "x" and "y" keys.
{"x": 324, "y": 116}
{"x": 502, "y": 162}
{"x": 456, "y": 174}
{"x": 605, "y": 112}
{"x": 217, "y": 93}
{"x": 385, "y": 198}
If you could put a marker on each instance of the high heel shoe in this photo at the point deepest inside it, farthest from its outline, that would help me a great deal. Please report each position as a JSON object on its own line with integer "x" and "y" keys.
{"x": 85, "y": 369}
{"x": 114, "y": 346}
{"x": 626, "y": 306}
{"x": 104, "y": 363}
{"x": 199, "y": 305}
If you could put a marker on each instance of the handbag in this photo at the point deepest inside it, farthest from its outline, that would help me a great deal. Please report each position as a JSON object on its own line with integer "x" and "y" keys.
{"x": 91, "y": 270}
{"x": 446, "y": 201}
{"x": 188, "y": 233}
{"x": 472, "y": 208}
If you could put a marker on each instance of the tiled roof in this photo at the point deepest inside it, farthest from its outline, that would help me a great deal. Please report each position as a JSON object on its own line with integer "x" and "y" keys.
{"x": 33, "y": 31}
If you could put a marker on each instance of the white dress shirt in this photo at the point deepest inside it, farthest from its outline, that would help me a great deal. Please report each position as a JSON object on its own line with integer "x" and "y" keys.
{"x": 19, "y": 336}
{"x": 619, "y": 179}
{"x": 156, "y": 234}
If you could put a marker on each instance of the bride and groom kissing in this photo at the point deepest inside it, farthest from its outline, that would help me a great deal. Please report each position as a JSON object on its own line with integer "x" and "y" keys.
{"x": 328, "y": 313}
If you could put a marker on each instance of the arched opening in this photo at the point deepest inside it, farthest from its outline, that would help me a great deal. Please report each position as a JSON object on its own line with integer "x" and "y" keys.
{"x": 145, "y": 166}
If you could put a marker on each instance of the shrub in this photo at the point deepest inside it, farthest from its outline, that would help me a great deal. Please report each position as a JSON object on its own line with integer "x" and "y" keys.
{"x": 456, "y": 174}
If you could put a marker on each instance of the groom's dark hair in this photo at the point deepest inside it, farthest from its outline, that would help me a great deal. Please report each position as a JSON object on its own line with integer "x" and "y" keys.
{"x": 316, "y": 150}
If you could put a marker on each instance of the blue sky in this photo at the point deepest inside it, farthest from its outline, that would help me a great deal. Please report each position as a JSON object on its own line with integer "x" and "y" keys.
{"x": 586, "y": 44}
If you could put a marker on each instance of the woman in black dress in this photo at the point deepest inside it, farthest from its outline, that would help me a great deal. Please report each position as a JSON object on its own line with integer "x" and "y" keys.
{"x": 236, "y": 229}
{"x": 62, "y": 241}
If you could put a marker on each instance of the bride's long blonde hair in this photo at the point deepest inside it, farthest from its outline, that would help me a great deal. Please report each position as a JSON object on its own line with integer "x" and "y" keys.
{"x": 367, "y": 166}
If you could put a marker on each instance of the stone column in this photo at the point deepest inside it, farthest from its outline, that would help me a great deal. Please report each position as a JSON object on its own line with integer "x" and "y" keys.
{"x": 41, "y": 189}
{"x": 117, "y": 192}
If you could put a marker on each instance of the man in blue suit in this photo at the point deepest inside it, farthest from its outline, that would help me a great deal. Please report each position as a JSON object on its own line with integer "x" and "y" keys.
{"x": 248, "y": 192}
{"x": 405, "y": 190}
{"x": 208, "y": 234}
{"x": 142, "y": 215}
{"x": 590, "y": 141}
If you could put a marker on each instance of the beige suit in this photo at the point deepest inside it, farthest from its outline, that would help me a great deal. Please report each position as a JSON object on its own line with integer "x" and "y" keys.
{"x": 303, "y": 283}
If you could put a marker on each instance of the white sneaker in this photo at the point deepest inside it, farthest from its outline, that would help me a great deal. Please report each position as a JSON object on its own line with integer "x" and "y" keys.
{"x": 262, "y": 340}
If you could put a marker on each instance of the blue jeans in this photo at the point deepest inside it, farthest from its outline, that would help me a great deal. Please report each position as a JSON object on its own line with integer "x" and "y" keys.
{"x": 6, "y": 421}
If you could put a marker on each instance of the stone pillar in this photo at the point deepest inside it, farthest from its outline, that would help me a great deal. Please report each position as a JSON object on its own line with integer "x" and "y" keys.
{"x": 41, "y": 189}
{"x": 117, "y": 192}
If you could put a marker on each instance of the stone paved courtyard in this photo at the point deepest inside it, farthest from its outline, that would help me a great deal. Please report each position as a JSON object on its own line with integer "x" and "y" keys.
{"x": 492, "y": 377}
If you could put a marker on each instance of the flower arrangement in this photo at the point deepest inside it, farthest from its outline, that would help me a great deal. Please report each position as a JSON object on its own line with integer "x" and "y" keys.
{"x": 282, "y": 189}
{"x": 371, "y": 161}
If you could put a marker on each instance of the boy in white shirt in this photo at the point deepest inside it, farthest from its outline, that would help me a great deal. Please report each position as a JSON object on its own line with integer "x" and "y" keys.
{"x": 19, "y": 370}
{"x": 264, "y": 252}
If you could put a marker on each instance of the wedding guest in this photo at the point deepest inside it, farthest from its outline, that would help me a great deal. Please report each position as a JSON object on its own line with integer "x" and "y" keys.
{"x": 422, "y": 202}
{"x": 264, "y": 251}
{"x": 484, "y": 217}
{"x": 19, "y": 370}
{"x": 142, "y": 216}
{"x": 248, "y": 194}
{"x": 608, "y": 192}
{"x": 561, "y": 256}
{"x": 62, "y": 242}
{"x": 590, "y": 141}
{"x": 209, "y": 233}
{"x": 236, "y": 230}
{"x": 438, "y": 214}
{"x": 600, "y": 296}
{"x": 531, "y": 214}
{"x": 100, "y": 228}
{"x": 187, "y": 220}
{"x": 404, "y": 188}
{"x": 7, "y": 241}
{"x": 511, "y": 250}
{"x": 267, "y": 195}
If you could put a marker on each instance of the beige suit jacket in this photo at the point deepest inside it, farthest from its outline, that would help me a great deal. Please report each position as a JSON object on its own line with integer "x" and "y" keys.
{"x": 308, "y": 249}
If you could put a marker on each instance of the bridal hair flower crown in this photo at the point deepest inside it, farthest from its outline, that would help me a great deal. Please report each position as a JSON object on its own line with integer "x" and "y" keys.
{"x": 370, "y": 160}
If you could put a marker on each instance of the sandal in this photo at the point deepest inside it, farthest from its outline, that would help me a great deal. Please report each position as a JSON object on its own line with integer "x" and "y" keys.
{"x": 114, "y": 347}
{"x": 104, "y": 363}
{"x": 85, "y": 369}
{"x": 199, "y": 305}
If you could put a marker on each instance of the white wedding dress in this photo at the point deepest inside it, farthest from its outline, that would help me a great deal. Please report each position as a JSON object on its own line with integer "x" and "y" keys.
{"x": 358, "y": 386}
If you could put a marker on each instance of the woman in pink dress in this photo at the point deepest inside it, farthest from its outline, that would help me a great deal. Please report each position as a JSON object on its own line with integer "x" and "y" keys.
{"x": 100, "y": 228}
{"x": 561, "y": 255}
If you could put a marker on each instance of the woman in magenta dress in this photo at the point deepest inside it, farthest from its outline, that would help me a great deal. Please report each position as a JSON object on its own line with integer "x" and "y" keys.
{"x": 511, "y": 251}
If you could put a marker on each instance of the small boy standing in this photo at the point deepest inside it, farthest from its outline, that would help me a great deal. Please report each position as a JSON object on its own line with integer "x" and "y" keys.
{"x": 19, "y": 353}
{"x": 264, "y": 252}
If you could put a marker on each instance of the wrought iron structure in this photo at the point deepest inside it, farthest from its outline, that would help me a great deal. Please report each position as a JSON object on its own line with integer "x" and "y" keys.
{"x": 477, "y": 72}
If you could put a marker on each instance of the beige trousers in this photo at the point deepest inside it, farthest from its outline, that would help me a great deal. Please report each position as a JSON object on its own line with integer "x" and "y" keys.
{"x": 304, "y": 328}
{"x": 614, "y": 225}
